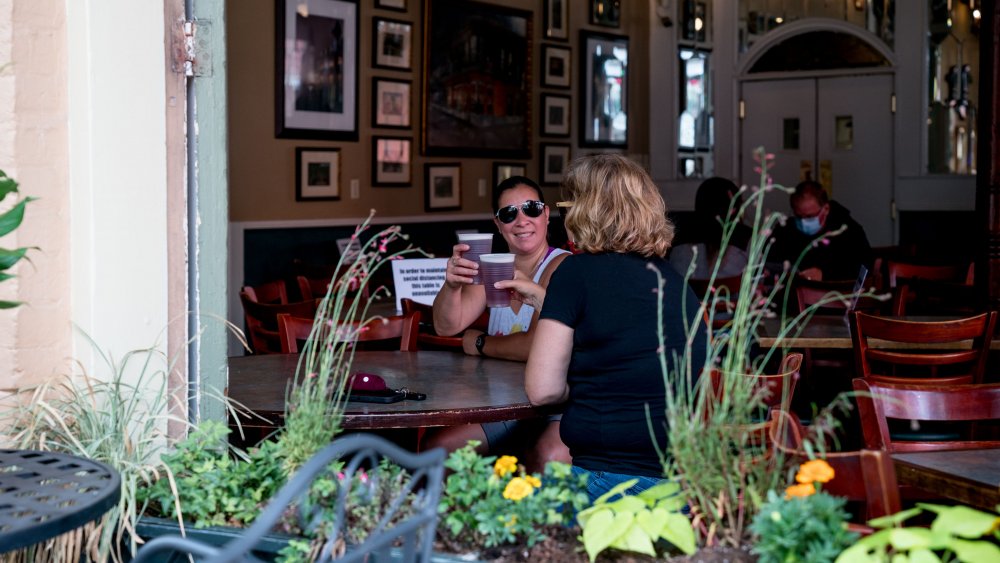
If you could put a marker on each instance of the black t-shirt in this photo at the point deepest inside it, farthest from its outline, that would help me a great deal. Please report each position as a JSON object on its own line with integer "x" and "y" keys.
{"x": 609, "y": 300}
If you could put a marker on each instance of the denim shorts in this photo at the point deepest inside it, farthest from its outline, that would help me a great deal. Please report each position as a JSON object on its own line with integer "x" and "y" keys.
{"x": 600, "y": 482}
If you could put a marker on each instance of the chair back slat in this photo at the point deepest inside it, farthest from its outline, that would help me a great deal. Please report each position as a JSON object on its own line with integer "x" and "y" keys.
{"x": 403, "y": 327}
{"x": 270, "y": 292}
{"x": 262, "y": 321}
{"x": 430, "y": 340}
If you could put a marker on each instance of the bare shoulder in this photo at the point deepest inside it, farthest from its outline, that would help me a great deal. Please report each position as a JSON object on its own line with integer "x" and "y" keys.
{"x": 550, "y": 268}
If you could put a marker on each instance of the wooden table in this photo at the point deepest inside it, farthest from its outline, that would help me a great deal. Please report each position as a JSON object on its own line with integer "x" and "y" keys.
{"x": 833, "y": 332}
{"x": 460, "y": 389}
{"x": 968, "y": 476}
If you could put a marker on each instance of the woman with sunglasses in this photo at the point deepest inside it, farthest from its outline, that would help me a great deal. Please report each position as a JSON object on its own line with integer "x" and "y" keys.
{"x": 596, "y": 348}
{"x": 522, "y": 218}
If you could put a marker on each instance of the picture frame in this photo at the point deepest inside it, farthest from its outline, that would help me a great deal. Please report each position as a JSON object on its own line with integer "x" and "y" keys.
{"x": 317, "y": 174}
{"x": 316, "y": 71}
{"x": 504, "y": 170}
{"x": 604, "y": 90}
{"x": 556, "y": 19}
{"x": 555, "y": 115}
{"x": 553, "y": 161}
{"x": 391, "y": 103}
{"x": 606, "y": 13}
{"x": 442, "y": 186}
{"x": 457, "y": 111}
{"x": 397, "y": 5}
{"x": 557, "y": 62}
{"x": 392, "y": 160}
{"x": 392, "y": 44}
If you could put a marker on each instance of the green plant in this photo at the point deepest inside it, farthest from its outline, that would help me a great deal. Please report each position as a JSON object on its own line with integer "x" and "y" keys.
{"x": 958, "y": 533}
{"x": 489, "y": 501}
{"x": 636, "y": 523}
{"x": 804, "y": 525}
{"x": 10, "y": 220}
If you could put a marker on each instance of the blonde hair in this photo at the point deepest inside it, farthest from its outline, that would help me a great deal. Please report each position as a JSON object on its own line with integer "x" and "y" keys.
{"x": 616, "y": 207}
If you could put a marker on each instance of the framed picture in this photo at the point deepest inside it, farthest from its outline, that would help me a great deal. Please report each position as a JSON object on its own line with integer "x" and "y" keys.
{"x": 504, "y": 170}
{"x": 392, "y": 44}
{"x": 605, "y": 12}
{"x": 555, "y": 115}
{"x": 555, "y": 158}
{"x": 476, "y": 80}
{"x": 391, "y": 160}
{"x": 317, "y": 174}
{"x": 398, "y": 5}
{"x": 391, "y": 103}
{"x": 443, "y": 184}
{"x": 316, "y": 71}
{"x": 556, "y": 19}
{"x": 604, "y": 89}
{"x": 556, "y": 62}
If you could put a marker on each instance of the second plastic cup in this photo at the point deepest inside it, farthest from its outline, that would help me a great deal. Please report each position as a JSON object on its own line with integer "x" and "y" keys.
{"x": 496, "y": 267}
{"x": 479, "y": 244}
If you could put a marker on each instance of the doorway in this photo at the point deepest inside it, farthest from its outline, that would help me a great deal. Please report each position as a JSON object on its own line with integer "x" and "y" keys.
{"x": 837, "y": 130}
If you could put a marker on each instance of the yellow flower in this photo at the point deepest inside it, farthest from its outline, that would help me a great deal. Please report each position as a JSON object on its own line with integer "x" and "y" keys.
{"x": 801, "y": 490}
{"x": 506, "y": 464}
{"x": 533, "y": 481}
{"x": 510, "y": 523}
{"x": 517, "y": 489}
{"x": 813, "y": 471}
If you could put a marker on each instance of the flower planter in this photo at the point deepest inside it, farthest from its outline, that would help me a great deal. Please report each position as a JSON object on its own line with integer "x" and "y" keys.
{"x": 267, "y": 549}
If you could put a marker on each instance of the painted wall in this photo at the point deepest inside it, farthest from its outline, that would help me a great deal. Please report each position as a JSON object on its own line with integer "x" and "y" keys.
{"x": 262, "y": 168}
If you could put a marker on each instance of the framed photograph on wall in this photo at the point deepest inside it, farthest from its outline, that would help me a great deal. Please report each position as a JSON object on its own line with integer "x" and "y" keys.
{"x": 443, "y": 186}
{"x": 317, "y": 174}
{"x": 504, "y": 170}
{"x": 606, "y": 13}
{"x": 316, "y": 71}
{"x": 554, "y": 159}
{"x": 390, "y": 103}
{"x": 391, "y": 162}
{"x": 556, "y": 64}
{"x": 398, "y": 5}
{"x": 392, "y": 44}
{"x": 463, "y": 43}
{"x": 556, "y": 19}
{"x": 604, "y": 90}
{"x": 555, "y": 115}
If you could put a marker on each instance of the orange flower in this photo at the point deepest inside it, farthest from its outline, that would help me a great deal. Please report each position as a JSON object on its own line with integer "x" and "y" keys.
{"x": 802, "y": 490}
{"x": 812, "y": 471}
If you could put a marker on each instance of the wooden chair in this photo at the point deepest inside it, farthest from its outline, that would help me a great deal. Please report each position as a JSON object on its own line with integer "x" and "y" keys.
{"x": 879, "y": 402}
{"x": 811, "y": 293}
{"x": 963, "y": 273}
{"x": 427, "y": 339}
{"x": 978, "y": 329}
{"x": 292, "y": 329}
{"x": 270, "y": 292}
{"x": 316, "y": 288}
{"x": 775, "y": 390}
{"x": 862, "y": 476}
{"x": 262, "y": 321}
{"x": 724, "y": 295}
{"x": 938, "y": 289}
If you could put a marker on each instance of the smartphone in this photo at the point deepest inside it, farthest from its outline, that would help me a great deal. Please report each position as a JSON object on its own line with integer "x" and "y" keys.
{"x": 380, "y": 396}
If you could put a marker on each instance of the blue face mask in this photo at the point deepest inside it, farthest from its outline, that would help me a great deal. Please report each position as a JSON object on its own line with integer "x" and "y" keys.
{"x": 809, "y": 226}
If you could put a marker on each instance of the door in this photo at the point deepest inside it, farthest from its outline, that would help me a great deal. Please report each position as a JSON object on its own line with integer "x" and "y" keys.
{"x": 838, "y": 130}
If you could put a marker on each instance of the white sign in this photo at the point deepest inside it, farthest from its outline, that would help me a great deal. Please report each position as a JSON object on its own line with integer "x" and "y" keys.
{"x": 420, "y": 279}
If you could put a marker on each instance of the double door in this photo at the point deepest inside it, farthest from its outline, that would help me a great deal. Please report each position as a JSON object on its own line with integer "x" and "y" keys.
{"x": 837, "y": 130}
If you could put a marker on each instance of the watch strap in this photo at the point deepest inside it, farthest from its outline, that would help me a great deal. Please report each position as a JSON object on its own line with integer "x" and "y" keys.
{"x": 480, "y": 342}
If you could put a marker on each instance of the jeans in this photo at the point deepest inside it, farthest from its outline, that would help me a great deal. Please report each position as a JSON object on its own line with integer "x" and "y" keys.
{"x": 600, "y": 482}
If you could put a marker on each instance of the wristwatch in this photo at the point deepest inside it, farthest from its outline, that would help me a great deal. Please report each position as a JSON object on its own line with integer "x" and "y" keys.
{"x": 480, "y": 342}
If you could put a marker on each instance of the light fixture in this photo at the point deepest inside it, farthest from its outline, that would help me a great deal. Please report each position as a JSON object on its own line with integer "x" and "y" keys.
{"x": 663, "y": 11}
{"x": 303, "y": 8}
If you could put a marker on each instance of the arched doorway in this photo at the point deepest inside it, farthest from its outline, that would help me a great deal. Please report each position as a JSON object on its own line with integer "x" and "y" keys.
{"x": 819, "y": 94}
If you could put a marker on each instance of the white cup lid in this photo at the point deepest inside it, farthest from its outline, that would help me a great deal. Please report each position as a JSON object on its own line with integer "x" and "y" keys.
{"x": 475, "y": 236}
{"x": 497, "y": 258}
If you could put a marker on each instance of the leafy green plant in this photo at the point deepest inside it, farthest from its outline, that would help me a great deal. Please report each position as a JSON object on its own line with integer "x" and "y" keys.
{"x": 806, "y": 524}
{"x": 636, "y": 523}
{"x": 958, "y": 533}
{"x": 491, "y": 501}
{"x": 10, "y": 220}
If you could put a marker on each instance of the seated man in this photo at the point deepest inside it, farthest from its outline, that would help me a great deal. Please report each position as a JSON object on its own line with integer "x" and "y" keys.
{"x": 835, "y": 257}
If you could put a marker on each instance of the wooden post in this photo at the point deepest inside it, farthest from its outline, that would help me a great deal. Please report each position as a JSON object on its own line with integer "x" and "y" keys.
{"x": 988, "y": 175}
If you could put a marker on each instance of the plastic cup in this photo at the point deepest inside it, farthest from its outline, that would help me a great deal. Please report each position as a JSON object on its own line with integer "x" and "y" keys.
{"x": 479, "y": 244}
{"x": 496, "y": 267}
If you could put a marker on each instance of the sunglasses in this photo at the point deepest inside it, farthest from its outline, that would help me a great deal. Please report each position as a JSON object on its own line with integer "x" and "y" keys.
{"x": 530, "y": 208}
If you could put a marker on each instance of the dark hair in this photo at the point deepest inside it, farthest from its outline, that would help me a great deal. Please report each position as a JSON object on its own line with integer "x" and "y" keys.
{"x": 711, "y": 209}
{"x": 510, "y": 184}
{"x": 810, "y": 188}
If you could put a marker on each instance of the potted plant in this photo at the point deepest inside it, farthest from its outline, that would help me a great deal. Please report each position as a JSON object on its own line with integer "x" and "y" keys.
{"x": 9, "y": 221}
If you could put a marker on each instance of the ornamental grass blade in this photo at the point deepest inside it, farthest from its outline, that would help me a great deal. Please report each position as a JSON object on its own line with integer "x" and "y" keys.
{"x": 12, "y": 218}
{"x": 10, "y": 257}
{"x": 10, "y": 304}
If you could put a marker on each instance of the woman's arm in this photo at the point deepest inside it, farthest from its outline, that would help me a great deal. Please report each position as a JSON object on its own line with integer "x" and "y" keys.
{"x": 548, "y": 362}
{"x": 458, "y": 303}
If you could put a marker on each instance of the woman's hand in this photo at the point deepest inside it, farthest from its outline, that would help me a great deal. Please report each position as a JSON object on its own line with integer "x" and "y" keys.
{"x": 526, "y": 291}
{"x": 459, "y": 271}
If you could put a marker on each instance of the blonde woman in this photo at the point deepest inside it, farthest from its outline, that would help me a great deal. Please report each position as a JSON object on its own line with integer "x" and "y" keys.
{"x": 595, "y": 346}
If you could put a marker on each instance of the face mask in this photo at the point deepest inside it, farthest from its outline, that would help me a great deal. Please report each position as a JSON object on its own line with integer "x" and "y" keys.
{"x": 809, "y": 226}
